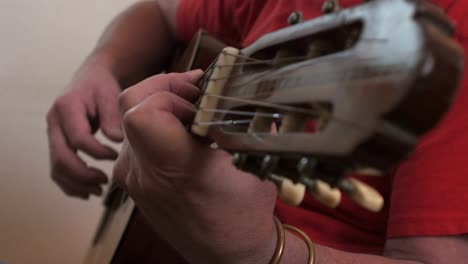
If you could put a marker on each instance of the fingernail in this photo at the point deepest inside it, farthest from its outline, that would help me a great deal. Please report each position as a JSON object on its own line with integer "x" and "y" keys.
{"x": 116, "y": 132}
{"x": 197, "y": 72}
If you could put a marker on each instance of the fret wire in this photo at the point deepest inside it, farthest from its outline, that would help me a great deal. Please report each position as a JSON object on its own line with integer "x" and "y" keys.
{"x": 259, "y": 78}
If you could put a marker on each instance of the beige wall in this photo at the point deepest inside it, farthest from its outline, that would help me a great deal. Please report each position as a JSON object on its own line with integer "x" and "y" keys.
{"x": 42, "y": 43}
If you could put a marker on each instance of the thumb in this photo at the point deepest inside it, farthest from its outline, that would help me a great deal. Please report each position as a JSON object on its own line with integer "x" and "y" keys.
{"x": 109, "y": 116}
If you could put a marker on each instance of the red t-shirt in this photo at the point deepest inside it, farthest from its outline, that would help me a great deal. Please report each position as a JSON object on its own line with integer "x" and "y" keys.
{"x": 429, "y": 193}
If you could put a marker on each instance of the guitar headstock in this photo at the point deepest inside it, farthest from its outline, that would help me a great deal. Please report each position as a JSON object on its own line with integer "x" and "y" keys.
{"x": 305, "y": 105}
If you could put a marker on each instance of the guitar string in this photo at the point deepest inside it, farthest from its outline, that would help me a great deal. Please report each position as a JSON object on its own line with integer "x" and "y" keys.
{"x": 260, "y": 78}
{"x": 266, "y": 62}
{"x": 258, "y": 103}
{"x": 283, "y": 59}
{"x": 284, "y": 72}
{"x": 317, "y": 106}
{"x": 283, "y": 107}
{"x": 320, "y": 110}
{"x": 208, "y": 71}
{"x": 290, "y": 109}
{"x": 279, "y": 60}
{"x": 269, "y": 61}
{"x": 241, "y": 113}
{"x": 265, "y": 104}
{"x": 224, "y": 122}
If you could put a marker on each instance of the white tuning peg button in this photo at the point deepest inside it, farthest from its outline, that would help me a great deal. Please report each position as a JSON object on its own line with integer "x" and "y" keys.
{"x": 291, "y": 193}
{"x": 362, "y": 194}
{"x": 325, "y": 194}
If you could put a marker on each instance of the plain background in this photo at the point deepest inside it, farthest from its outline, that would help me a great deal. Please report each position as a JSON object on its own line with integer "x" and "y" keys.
{"x": 42, "y": 44}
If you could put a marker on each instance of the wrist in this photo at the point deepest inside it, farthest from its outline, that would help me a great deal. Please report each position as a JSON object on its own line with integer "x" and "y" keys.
{"x": 102, "y": 60}
{"x": 252, "y": 246}
{"x": 126, "y": 70}
{"x": 295, "y": 249}
{"x": 103, "y": 64}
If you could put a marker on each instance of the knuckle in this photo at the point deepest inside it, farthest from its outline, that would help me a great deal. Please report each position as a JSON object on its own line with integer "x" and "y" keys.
{"x": 59, "y": 172}
{"x": 161, "y": 76}
{"x": 163, "y": 96}
{"x": 172, "y": 75}
{"x": 68, "y": 191}
{"x": 61, "y": 103}
{"x": 57, "y": 164}
{"x": 161, "y": 81}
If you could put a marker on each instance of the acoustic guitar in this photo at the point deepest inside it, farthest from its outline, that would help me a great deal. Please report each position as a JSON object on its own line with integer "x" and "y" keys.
{"x": 304, "y": 105}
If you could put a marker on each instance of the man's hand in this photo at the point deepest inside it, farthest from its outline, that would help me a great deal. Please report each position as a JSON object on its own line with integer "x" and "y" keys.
{"x": 90, "y": 103}
{"x": 191, "y": 194}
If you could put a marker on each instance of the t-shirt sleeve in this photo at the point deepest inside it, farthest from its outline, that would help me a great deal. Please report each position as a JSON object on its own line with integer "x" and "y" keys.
{"x": 217, "y": 17}
{"x": 430, "y": 189}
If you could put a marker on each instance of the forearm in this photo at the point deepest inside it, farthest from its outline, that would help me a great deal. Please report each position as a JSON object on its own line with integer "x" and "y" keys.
{"x": 333, "y": 256}
{"x": 407, "y": 250}
{"x": 296, "y": 252}
{"x": 136, "y": 44}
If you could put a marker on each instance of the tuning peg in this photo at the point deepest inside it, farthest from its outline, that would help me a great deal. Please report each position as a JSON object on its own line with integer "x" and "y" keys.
{"x": 319, "y": 189}
{"x": 289, "y": 192}
{"x": 324, "y": 193}
{"x": 268, "y": 164}
{"x": 239, "y": 159}
{"x": 362, "y": 194}
{"x": 330, "y": 6}
{"x": 306, "y": 166}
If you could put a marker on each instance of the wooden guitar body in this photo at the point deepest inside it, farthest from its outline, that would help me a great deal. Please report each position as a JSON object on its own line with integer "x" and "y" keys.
{"x": 371, "y": 80}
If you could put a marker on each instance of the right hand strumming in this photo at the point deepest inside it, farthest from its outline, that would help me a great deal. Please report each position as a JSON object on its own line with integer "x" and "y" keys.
{"x": 89, "y": 103}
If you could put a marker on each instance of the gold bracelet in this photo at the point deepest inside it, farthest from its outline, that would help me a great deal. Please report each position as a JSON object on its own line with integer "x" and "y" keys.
{"x": 307, "y": 239}
{"x": 279, "y": 242}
